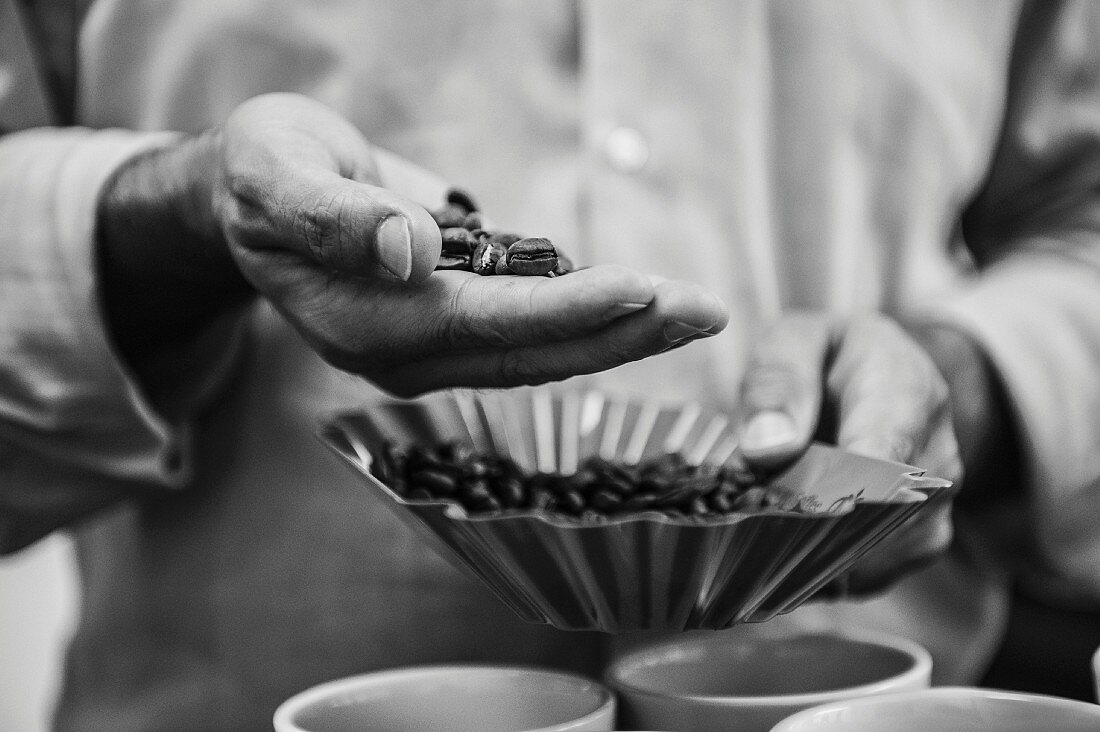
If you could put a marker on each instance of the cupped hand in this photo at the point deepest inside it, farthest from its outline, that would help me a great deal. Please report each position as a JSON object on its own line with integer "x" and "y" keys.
{"x": 349, "y": 262}
{"x": 866, "y": 385}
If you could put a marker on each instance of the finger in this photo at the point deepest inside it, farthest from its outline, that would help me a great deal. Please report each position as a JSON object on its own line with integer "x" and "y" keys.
{"x": 343, "y": 225}
{"x": 510, "y": 311}
{"x": 890, "y": 397}
{"x": 648, "y": 332}
{"x": 781, "y": 390}
{"x": 288, "y": 182}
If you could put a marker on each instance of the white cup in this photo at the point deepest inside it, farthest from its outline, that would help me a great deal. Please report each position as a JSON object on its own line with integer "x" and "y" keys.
{"x": 456, "y": 698}
{"x": 726, "y": 682}
{"x": 959, "y": 709}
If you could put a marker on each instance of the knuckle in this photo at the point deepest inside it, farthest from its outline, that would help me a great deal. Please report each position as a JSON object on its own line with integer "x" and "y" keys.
{"x": 455, "y": 323}
{"x": 513, "y": 368}
{"x": 471, "y": 319}
{"x": 321, "y": 227}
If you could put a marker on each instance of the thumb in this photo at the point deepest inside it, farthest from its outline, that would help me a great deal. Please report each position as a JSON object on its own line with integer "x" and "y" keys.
{"x": 358, "y": 228}
{"x": 781, "y": 391}
{"x": 299, "y": 177}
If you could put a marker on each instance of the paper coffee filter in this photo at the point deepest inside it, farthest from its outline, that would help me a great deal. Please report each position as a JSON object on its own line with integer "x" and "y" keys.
{"x": 643, "y": 570}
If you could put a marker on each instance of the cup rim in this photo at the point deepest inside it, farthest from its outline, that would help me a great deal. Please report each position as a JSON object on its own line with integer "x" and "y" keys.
{"x": 921, "y": 667}
{"x": 286, "y": 711}
{"x": 938, "y": 692}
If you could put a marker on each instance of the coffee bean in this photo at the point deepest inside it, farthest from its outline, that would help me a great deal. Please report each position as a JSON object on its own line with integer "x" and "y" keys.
{"x": 420, "y": 494}
{"x": 472, "y": 221}
{"x": 751, "y": 499}
{"x": 543, "y": 500}
{"x": 572, "y": 501}
{"x": 485, "y": 483}
{"x": 462, "y": 199}
{"x": 436, "y": 481}
{"x": 641, "y": 501}
{"x": 697, "y": 506}
{"x": 453, "y": 262}
{"x": 449, "y": 217}
{"x": 720, "y": 502}
{"x": 511, "y": 492}
{"x": 457, "y": 241}
{"x": 605, "y": 500}
{"x": 532, "y": 256}
{"x": 485, "y": 257}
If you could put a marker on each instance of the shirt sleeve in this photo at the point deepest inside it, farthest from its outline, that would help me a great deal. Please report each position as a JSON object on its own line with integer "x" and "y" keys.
{"x": 75, "y": 430}
{"x": 1034, "y": 230}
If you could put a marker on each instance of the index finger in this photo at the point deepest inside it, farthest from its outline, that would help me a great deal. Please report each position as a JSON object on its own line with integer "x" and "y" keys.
{"x": 516, "y": 311}
{"x": 890, "y": 396}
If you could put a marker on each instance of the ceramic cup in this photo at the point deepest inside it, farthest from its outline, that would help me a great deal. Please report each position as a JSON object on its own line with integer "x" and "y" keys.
{"x": 742, "y": 682}
{"x": 456, "y": 698}
{"x": 960, "y": 709}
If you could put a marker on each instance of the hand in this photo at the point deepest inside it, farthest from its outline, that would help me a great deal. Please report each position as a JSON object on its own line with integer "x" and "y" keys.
{"x": 868, "y": 386}
{"x": 290, "y": 196}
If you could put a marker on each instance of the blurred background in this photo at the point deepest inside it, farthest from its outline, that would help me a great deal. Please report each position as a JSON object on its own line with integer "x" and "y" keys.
{"x": 39, "y": 594}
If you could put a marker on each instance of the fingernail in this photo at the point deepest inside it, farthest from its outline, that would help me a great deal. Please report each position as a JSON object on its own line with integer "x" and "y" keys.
{"x": 625, "y": 308}
{"x": 678, "y": 331}
{"x": 395, "y": 247}
{"x": 768, "y": 429}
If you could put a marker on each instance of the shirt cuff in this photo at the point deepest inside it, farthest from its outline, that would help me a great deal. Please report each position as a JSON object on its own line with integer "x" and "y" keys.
{"x": 65, "y": 393}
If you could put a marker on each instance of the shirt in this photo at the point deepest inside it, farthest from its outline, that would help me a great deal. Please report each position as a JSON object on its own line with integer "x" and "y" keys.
{"x": 785, "y": 154}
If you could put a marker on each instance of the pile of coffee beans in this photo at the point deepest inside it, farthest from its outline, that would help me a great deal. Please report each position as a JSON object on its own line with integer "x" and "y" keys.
{"x": 600, "y": 488}
{"x": 470, "y": 247}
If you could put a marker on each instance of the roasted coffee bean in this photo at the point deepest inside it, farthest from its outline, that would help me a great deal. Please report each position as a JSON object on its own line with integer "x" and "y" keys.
{"x": 605, "y": 500}
{"x": 462, "y": 228}
{"x": 532, "y": 256}
{"x": 641, "y": 501}
{"x": 453, "y": 262}
{"x": 657, "y": 484}
{"x": 697, "y": 506}
{"x": 436, "y": 481}
{"x": 543, "y": 500}
{"x": 683, "y": 490}
{"x": 421, "y": 494}
{"x": 449, "y": 217}
{"x": 720, "y": 502}
{"x": 511, "y": 492}
{"x": 485, "y": 257}
{"x": 572, "y": 501}
{"x": 667, "y": 484}
{"x": 385, "y": 465}
{"x": 476, "y": 494}
{"x": 472, "y": 221}
{"x": 462, "y": 199}
{"x": 457, "y": 241}
{"x": 477, "y": 468}
{"x": 751, "y": 499}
